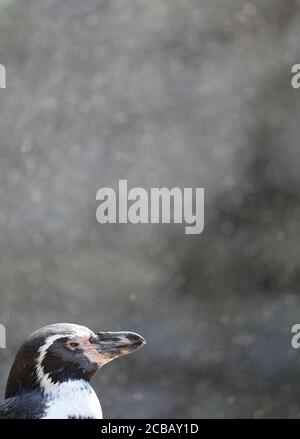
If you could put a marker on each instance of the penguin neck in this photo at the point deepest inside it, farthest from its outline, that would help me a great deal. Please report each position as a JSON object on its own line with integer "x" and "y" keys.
{"x": 72, "y": 399}
{"x": 65, "y": 388}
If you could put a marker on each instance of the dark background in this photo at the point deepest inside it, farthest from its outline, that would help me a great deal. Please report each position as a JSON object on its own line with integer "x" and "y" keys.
{"x": 192, "y": 93}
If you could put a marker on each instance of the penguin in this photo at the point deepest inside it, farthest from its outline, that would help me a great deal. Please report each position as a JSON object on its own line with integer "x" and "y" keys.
{"x": 50, "y": 377}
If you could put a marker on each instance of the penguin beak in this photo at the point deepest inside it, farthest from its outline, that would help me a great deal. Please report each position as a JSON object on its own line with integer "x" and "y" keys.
{"x": 111, "y": 345}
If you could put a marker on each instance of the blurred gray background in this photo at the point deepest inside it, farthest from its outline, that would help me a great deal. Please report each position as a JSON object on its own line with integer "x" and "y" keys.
{"x": 192, "y": 93}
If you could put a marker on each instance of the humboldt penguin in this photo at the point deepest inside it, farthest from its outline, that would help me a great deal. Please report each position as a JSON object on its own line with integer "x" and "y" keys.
{"x": 50, "y": 377}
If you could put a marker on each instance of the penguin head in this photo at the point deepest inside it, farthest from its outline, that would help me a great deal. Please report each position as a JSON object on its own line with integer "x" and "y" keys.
{"x": 62, "y": 352}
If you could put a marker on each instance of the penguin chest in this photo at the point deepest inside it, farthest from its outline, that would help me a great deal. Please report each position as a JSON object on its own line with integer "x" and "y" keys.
{"x": 75, "y": 400}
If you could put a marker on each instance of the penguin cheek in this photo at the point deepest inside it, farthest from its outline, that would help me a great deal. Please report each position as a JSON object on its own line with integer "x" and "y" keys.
{"x": 95, "y": 357}
{"x": 102, "y": 358}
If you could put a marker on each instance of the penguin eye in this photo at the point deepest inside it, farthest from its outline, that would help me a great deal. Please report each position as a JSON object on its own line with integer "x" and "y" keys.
{"x": 73, "y": 344}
